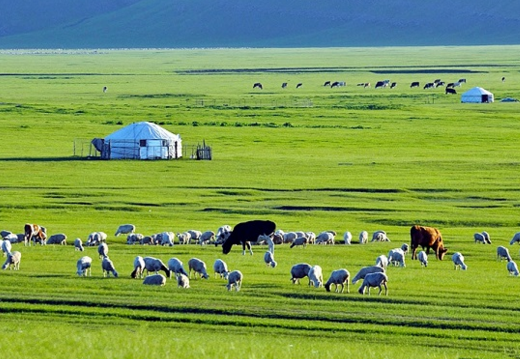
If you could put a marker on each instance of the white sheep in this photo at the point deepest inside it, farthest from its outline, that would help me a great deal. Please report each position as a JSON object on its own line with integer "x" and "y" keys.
{"x": 265, "y": 238}
{"x": 382, "y": 261}
{"x": 102, "y": 250}
{"x": 197, "y": 266}
{"x": 78, "y": 245}
{"x": 487, "y": 237}
{"x": 134, "y": 238}
{"x": 316, "y": 276}
{"x": 13, "y": 260}
{"x": 503, "y": 252}
{"x": 300, "y": 241}
{"x": 6, "y": 247}
{"x": 14, "y": 238}
{"x": 269, "y": 259}
{"x": 5, "y": 233}
{"x": 396, "y": 257}
{"x": 516, "y": 238}
{"x": 367, "y": 270}
{"x": 235, "y": 280}
{"x": 347, "y": 238}
{"x": 155, "y": 279}
{"x": 299, "y": 271}
{"x": 176, "y": 266}
{"x": 363, "y": 237}
{"x": 479, "y": 238}
{"x": 84, "y": 265}
{"x": 95, "y": 238}
{"x": 165, "y": 239}
{"x": 59, "y": 238}
{"x": 458, "y": 261}
{"x": 512, "y": 268}
{"x": 338, "y": 277}
{"x": 125, "y": 229}
{"x": 147, "y": 240}
{"x": 423, "y": 258}
{"x": 139, "y": 267}
{"x": 184, "y": 238}
{"x": 380, "y": 236}
{"x": 206, "y": 237}
{"x": 326, "y": 237}
{"x": 195, "y": 235}
{"x": 223, "y": 232}
{"x": 289, "y": 237}
{"x": 182, "y": 281}
{"x": 108, "y": 267}
{"x": 220, "y": 267}
{"x": 311, "y": 236}
{"x": 152, "y": 264}
{"x": 374, "y": 280}
{"x": 405, "y": 248}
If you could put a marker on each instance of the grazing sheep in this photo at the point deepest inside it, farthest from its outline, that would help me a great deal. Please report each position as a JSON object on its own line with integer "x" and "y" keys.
{"x": 220, "y": 267}
{"x": 382, "y": 261}
{"x": 503, "y": 252}
{"x": 59, "y": 238}
{"x": 147, "y": 240}
{"x": 14, "y": 238}
{"x": 458, "y": 261}
{"x": 13, "y": 260}
{"x": 84, "y": 265}
{"x": 223, "y": 232}
{"x": 311, "y": 236}
{"x": 176, "y": 266}
{"x": 512, "y": 268}
{"x": 206, "y": 237}
{"x": 108, "y": 267}
{"x": 195, "y": 235}
{"x": 102, "y": 250}
{"x": 152, "y": 264}
{"x": 125, "y": 229}
{"x": 289, "y": 237}
{"x": 95, "y": 238}
{"x": 5, "y": 233}
{"x": 182, "y": 280}
{"x": 300, "y": 241}
{"x": 155, "y": 279}
{"x": 423, "y": 258}
{"x": 338, "y": 277}
{"x": 139, "y": 267}
{"x": 396, "y": 257}
{"x": 277, "y": 238}
{"x": 197, "y": 266}
{"x": 267, "y": 239}
{"x": 516, "y": 239}
{"x": 380, "y": 236}
{"x": 6, "y": 247}
{"x": 165, "y": 239}
{"x": 326, "y": 237}
{"x": 487, "y": 237}
{"x": 134, "y": 238}
{"x": 363, "y": 237}
{"x": 299, "y": 271}
{"x": 479, "y": 238}
{"x": 374, "y": 280}
{"x": 184, "y": 238}
{"x": 316, "y": 276}
{"x": 347, "y": 238}
{"x": 367, "y": 270}
{"x": 78, "y": 245}
{"x": 405, "y": 247}
{"x": 269, "y": 259}
{"x": 235, "y": 280}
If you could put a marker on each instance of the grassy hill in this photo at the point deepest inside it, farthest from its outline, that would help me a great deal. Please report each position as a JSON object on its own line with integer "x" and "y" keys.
{"x": 219, "y": 23}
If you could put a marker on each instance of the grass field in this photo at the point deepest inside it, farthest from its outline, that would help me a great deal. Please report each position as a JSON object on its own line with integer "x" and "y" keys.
{"x": 310, "y": 159}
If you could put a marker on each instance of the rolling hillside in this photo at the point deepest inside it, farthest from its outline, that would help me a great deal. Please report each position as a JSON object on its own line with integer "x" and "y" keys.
{"x": 247, "y": 23}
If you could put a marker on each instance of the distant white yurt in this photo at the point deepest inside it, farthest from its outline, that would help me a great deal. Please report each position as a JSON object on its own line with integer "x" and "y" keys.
{"x": 477, "y": 95}
{"x": 141, "y": 140}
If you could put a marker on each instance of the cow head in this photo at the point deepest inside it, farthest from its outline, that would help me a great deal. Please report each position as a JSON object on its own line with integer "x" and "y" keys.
{"x": 442, "y": 252}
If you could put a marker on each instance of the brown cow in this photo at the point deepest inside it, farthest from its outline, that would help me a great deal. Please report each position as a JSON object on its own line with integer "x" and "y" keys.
{"x": 34, "y": 232}
{"x": 427, "y": 237}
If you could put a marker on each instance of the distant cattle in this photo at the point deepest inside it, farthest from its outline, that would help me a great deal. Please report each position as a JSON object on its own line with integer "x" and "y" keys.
{"x": 335, "y": 84}
{"x": 394, "y": 84}
{"x": 450, "y": 91}
{"x": 462, "y": 80}
{"x": 429, "y": 85}
{"x": 364, "y": 84}
{"x": 104, "y": 89}
{"x": 327, "y": 83}
{"x": 427, "y": 237}
{"x": 299, "y": 85}
{"x": 284, "y": 85}
{"x": 246, "y": 232}
{"x": 414, "y": 84}
{"x": 258, "y": 85}
{"x": 503, "y": 79}
{"x": 380, "y": 84}
{"x": 34, "y": 232}
{"x": 440, "y": 83}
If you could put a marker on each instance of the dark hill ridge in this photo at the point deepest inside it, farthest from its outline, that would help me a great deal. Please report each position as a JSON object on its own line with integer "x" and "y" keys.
{"x": 248, "y": 23}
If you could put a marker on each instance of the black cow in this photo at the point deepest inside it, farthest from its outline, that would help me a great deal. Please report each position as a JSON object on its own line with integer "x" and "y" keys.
{"x": 394, "y": 84}
{"x": 259, "y": 85}
{"x": 335, "y": 84}
{"x": 414, "y": 84}
{"x": 451, "y": 91}
{"x": 380, "y": 84}
{"x": 462, "y": 80}
{"x": 327, "y": 83}
{"x": 284, "y": 85}
{"x": 246, "y": 232}
{"x": 299, "y": 85}
{"x": 429, "y": 85}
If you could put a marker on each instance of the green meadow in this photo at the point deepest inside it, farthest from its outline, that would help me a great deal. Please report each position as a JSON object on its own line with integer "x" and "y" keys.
{"x": 314, "y": 158}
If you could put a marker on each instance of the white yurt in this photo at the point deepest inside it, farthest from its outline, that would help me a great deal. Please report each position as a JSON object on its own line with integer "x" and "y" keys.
{"x": 477, "y": 95}
{"x": 141, "y": 140}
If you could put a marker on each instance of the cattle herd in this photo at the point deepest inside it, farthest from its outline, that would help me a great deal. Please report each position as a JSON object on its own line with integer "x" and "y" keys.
{"x": 247, "y": 233}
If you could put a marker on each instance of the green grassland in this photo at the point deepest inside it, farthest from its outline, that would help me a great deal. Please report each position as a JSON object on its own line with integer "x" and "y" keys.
{"x": 311, "y": 159}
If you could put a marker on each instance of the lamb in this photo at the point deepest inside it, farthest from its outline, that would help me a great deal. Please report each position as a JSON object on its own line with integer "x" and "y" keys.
{"x": 300, "y": 241}
{"x": 269, "y": 259}
{"x": 458, "y": 261}
{"x": 59, "y": 238}
{"x": 299, "y": 271}
{"x": 512, "y": 268}
{"x": 235, "y": 280}
{"x": 220, "y": 267}
{"x": 139, "y": 267}
{"x": 363, "y": 237}
{"x": 13, "y": 260}
{"x": 503, "y": 252}
{"x": 152, "y": 264}
{"x": 182, "y": 281}
{"x": 423, "y": 258}
{"x": 380, "y": 236}
{"x": 374, "y": 280}
{"x": 155, "y": 279}
{"x": 175, "y": 266}
{"x": 125, "y": 229}
{"x": 347, "y": 238}
{"x": 197, "y": 266}
{"x": 316, "y": 276}
{"x": 6, "y": 247}
{"x": 382, "y": 261}
{"x": 516, "y": 239}
{"x": 184, "y": 238}
{"x": 108, "y": 267}
{"x": 84, "y": 266}
{"x": 396, "y": 257}
{"x": 338, "y": 277}
{"x": 206, "y": 237}
{"x": 367, "y": 270}
{"x": 102, "y": 250}
{"x": 78, "y": 245}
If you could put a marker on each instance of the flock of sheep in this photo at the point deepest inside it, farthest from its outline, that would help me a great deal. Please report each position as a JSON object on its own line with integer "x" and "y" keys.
{"x": 372, "y": 275}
